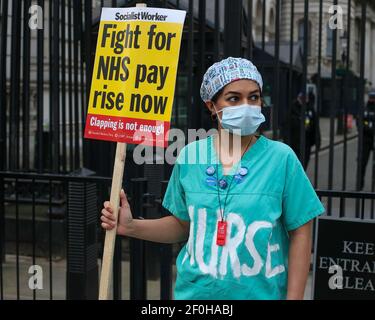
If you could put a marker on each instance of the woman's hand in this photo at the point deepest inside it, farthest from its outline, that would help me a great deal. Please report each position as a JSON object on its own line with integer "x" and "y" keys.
{"x": 168, "y": 229}
{"x": 125, "y": 218}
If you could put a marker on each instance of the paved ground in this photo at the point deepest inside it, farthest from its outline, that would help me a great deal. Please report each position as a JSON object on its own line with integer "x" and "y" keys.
{"x": 59, "y": 278}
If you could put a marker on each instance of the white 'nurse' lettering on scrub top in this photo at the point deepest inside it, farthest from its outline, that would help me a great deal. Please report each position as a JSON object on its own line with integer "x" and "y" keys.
{"x": 230, "y": 249}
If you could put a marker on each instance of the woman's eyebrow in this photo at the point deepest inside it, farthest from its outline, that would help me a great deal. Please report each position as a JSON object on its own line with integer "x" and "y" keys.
{"x": 235, "y": 92}
{"x": 232, "y": 92}
{"x": 255, "y": 91}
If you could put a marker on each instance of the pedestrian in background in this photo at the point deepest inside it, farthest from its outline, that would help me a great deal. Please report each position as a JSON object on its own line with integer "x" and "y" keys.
{"x": 310, "y": 123}
{"x": 368, "y": 134}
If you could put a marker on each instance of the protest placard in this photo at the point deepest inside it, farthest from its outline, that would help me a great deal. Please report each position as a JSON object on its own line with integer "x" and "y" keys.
{"x": 132, "y": 92}
{"x": 134, "y": 75}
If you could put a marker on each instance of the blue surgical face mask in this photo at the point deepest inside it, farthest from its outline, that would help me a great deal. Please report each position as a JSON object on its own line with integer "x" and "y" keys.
{"x": 244, "y": 119}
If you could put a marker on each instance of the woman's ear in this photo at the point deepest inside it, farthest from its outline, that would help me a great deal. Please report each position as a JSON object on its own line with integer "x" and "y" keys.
{"x": 210, "y": 107}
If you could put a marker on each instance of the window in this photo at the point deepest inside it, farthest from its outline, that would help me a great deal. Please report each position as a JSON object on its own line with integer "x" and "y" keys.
{"x": 301, "y": 35}
{"x": 329, "y": 41}
{"x": 259, "y": 20}
{"x": 358, "y": 43}
{"x": 271, "y": 27}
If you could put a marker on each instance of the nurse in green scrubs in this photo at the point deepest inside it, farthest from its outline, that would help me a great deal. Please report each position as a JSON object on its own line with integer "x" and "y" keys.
{"x": 242, "y": 202}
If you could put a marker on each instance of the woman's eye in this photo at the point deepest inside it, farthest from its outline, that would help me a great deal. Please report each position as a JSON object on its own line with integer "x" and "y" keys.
{"x": 254, "y": 97}
{"x": 232, "y": 99}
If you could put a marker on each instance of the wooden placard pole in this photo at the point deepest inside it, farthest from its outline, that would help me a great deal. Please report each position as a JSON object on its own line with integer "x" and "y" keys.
{"x": 110, "y": 235}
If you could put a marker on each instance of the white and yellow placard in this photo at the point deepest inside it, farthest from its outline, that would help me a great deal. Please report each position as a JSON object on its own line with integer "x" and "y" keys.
{"x": 134, "y": 75}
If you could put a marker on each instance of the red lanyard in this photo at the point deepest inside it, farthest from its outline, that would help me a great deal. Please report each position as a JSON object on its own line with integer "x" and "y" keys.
{"x": 222, "y": 224}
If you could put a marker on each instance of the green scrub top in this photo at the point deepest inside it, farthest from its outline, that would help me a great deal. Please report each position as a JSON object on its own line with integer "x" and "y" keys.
{"x": 274, "y": 197}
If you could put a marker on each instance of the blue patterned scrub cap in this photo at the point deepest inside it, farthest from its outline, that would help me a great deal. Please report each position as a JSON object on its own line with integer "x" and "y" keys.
{"x": 226, "y": 71}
